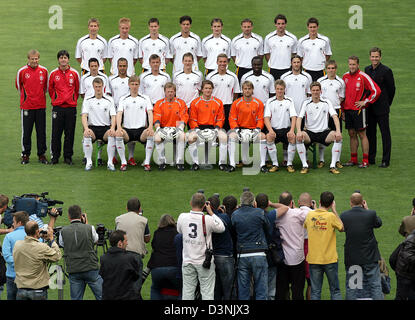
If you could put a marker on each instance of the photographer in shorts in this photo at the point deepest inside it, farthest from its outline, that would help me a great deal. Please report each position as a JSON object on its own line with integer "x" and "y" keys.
{"x": 77, "y": 241}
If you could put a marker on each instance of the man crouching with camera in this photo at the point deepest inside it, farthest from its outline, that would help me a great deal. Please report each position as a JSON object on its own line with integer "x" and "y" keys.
{"x": 31, "y": 258}
{"x": 197, "y": 229}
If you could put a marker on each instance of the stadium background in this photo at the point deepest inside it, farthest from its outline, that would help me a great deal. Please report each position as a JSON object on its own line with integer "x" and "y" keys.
{"x": 103, "y": 195}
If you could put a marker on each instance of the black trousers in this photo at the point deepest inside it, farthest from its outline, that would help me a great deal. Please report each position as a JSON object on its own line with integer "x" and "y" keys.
{"x": 277, "y": 73}
{"x": 30, "y": 118}
{"x": 383, "y": 122}
{"x": 63, "y": 121}
{"x": 294, "y": 275}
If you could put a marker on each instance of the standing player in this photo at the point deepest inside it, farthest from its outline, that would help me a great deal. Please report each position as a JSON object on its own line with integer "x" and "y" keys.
{"x": 280, "y": 119}
{"x": 90, "y": 46}
{"x": 123, "y": 45}
{"x": 86, "y": 87}
{"x": 170, "y": 112}
{"x": 378, "y": 113}
{"x": 361, "y": 90}
{"x": 132, "y": 125}
{"x": 315, "y": 111}
{"x": 315, "y": 49}
{"x": 64, "y": 92}
{"x": 244, "y": 47}
{"x": 32, "y": 83}
{"x": 98, "y": 121}
{"x": 188, "y": 82}
{"x": 215, "y": 44}
{"x": 225, "y": 86}
{"x": 154, "y": 43}
{"x": 279, "y": 47}
{"x": 206, "y": 112}
{"x": 246, "y": 112}
{"x": 183, "y": 42}
{"x": 332, "y": 89}
{"x": 118, "y": 83}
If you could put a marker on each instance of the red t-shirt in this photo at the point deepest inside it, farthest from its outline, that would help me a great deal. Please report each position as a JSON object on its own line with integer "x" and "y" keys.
{"x": 64, "y": 87}
{"x": 32, "y": 84}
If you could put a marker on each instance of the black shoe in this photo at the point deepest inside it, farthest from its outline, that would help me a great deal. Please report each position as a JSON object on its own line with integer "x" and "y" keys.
{"x": 162, "y": 167}
{"x": 231, "y": 168}
{"x": 25, "y": 159}
{"x": 195, "y": 167}
{"x": 223, "y": 167}
{"x": 100, "y": 162}
{"x": 264, "y": 169}
{"x": 54, "y": 161}
{"x": 68, "y": 161}
{"x": 42, "y": 159}
{"x": 180, "y": 167}
{"x": 384, "y": 165}
{"x": 84, "y": 160}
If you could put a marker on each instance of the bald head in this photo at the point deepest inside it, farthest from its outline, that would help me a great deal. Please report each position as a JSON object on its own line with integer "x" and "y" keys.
{"x": 356, "y": 199}
{"x": 31, "y": 227}
{"x": 304, "y": 199}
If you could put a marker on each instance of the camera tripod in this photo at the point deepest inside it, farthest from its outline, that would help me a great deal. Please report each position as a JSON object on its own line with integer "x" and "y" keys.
{"x": 58, "y": 272}
{"x": 103, "y": 244}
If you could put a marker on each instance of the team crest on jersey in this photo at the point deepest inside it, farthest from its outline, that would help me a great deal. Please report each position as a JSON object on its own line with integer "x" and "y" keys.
{"x": 41, "y": 78}
{"x": 57, "y": 78}
{"x": 357, "y": 84}
{"x": 27, "y": 76}
{"x": 71, "y": 81}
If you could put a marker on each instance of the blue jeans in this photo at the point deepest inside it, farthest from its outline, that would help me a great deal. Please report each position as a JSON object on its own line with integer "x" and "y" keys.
{"x": 363, "y": 281}
{"x": 25, "y": 294}
{"x": 11, "y": 289}
{"x": 272, "y": 282}
{"x": 164, "y": 277}
{"x": 316, "y": 277}
{"x": 257, "y": 267}
{"x": 79, "y": 280}
{"x": 224, "y": 277}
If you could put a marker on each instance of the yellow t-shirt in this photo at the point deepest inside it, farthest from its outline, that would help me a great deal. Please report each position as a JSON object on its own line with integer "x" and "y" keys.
{"x": 321, "y": 225}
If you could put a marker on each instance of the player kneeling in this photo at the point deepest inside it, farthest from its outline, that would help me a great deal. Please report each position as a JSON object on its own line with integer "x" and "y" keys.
{"x": 132, "y": 113}
{"x": 170, "y": 119}
{"x": 98, "y": 120}
{"x": 280, "y": 119}
{"x": 206, "y": 121}
{"x": 316, "y": 111}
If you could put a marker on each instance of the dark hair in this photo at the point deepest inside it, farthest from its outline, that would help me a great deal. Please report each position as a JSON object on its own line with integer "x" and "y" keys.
{"x": 355, "y": 58}
{"x": 262, "y": 200}
{"x": 285, "y": 198}
{"x": 116, "y": 236}
{"x": 154, "y": 57}
{"x": 151, "y": 20}
{"x": 296, "y": 56}
{"x": 62, "y": 53}
{"x": 257, "y": 58}
{"x": 375, "y": 49}
{"x": 133, "y": 205}
{"x": 92, "y": 60}
{"x": 214, "y": 202}
{"x": 185, "y": 18}
{"x": 247, "y": 20}
{"x": 207, "y": 82}
{"x": 413, "y": 202}
{"x": 31, "y": 228}
{"x": 312, "y": 20}
{"x": 216, "y": 20}
{"x": 75, "y": 212}
{"x": 280, "y": 17}
{"x": 4, "y": 200}
{"x": 326, "y": 199}
{"x": 230, "y": 203}
{"x": 21, "y": 216}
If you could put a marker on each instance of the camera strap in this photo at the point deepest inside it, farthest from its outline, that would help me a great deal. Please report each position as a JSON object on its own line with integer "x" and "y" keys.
{"x": 204, "y": 229}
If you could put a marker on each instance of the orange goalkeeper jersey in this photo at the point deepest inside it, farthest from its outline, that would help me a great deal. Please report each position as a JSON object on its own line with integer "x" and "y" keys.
{"x": 247, "y": 114}
{"x": 206, "y": 112}
{"x": 169, "y": 113}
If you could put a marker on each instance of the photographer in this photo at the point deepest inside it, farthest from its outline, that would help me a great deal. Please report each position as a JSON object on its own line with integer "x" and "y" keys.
{"x": 4, "y": 201}
{"x": 197, "y": 228}
{"x": 77, "y": 240}
{"x": 31, "y": 258}
{"x": 408, "y": 222}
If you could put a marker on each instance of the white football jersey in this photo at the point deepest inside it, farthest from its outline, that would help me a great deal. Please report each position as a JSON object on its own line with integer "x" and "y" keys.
{"x": 134, "y": 111}
{"x": 99, "y": 111}
{"x": 212, "y": 47}
{"x": 119, "y": 87}
{"x": 280, "y": 49}
{"x": 244, "y": 49}
{"x": 297, "y": 87}
{"x": 263, "y": 84}
{"x": 314, "y": 51}
{"x": 333, "y": 90}
{"x": 87, "y": 48}
{"x": 153, "y": 86}
{"x": 280, "y": 112}
{"x": 159, "y": 46}
{"x": 123, "y": 48}
{"x": 180, "y": 45}
{"x": 224, "y": 85}
{"x": 86, "y": 86}
{"x": 188, "y": 85}
{"x": 317, "y": 114}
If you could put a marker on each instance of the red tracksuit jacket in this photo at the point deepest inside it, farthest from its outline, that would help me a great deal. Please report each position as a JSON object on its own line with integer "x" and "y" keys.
{"x": 32, "y": 85}
{"x": 64, "y": 87}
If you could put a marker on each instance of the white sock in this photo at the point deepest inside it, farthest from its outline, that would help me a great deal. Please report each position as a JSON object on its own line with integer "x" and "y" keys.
{"x": 223, "y": 153}
{"x": 111, "y": 148}
{"x": 244, "y": 152}
{"x": 179, "y": 151}
{"x": 321, "y": 148}
{"x": 87, "y": 146}
{"x": 131, "y": 148}
{"x": 272, "y": 151}
{"x": 160, "y": 151}
{"x": 231, "y": 149}
{"x": 302, "y": 153}
{"x": 291, "y": 154}
{"x": 119, "y": 142}
{"x": 149, "y": 149}
{"x": 335, "y": 153}
{"x": 263, "y": 151}
{"x": 193, "y": 152}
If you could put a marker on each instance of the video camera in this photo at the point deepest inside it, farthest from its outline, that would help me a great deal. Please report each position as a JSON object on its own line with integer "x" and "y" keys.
{"x": 32, "y": 203}
{"x": 103, "y": 233}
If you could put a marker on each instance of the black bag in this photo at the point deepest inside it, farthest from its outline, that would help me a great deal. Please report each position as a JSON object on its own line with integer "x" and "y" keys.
{"x": 275, "y": 251}
{"x": 393, "y": 259}
{"x": 2, "y": 269}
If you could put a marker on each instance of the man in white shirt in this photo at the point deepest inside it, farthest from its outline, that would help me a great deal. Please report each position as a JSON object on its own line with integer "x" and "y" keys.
{"x": 215, "y": 44}
{"x": 315, "y": 111}
{"x": 279, "y": 47}
{"x": 315, "y": 49}
{"x": 154, "y": 43}
{"x": 244, "y": 47}
{"x": 197, "y": 229}
{"x": 90, "y": 46}
{"x": 118, "y": 83}
{"x": 98, "y": 121}
{"x": 123, "y": 45}
{"x": 185, "y": 41}
{"x": 86, "y": 88}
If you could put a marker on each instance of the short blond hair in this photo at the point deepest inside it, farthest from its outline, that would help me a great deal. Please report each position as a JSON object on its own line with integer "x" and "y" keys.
{"x": 169, "y": 85}
{"x": 124, "y": 21}
{"x": 134, "y": 78}
{"x": 32, "y": 52}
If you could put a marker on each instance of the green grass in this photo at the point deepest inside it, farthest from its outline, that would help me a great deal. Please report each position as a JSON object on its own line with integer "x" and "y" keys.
{"x": 103, "y": 195}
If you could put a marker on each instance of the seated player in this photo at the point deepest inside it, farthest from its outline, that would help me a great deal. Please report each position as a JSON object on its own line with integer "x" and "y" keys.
{"x": 86, "y": 89}
{"x": 206, "y": 120}
{"x": 98, "y": 120}
{"x": 132, "y": 124}
{"x": 170, "y": 119}
{"x": 315, "y": 111}
{"x": 280, "y": 118}
{"x": 246, "y": 112}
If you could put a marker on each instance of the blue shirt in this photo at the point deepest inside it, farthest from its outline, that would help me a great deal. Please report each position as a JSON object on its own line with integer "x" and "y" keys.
{"x": 8, "y": 245}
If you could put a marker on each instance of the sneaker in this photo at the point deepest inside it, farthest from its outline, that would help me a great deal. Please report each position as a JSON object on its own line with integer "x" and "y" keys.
{"x": 304, "y": 170}
{"x": 363, "y": 165}
{"x": 334, "y": 170}
{"x": 88, "y": 167}
{"x": 180, "y": 167}
{"x": 25, "y": 159}
{"x": 223, "y": 167}
{"x": 55, "y": 161}
{"x": 339, "y": 165}
{"x": 132, "y": 162}
{"x": 162, "y": 167}
{"x": 321, "y": 164}
{"x": 269, "y": 164}
{"x": 195, "y": 167}
{"x": 290, "y": 169}
{"x": 231, "y": 169}
{"x": 43, "y": 160}
{"x": 68, "y": 161}
{"x": 110, "y": 167}
{"x": 350, "y": 164}
{"x": 114, "y": 160}
{"x": 264, "y": 169}
{"x": 123, "y": 167}
{"x": 101, "y": 163}
{"x": 147, "y": 167}
{"x": 273, "y": 169}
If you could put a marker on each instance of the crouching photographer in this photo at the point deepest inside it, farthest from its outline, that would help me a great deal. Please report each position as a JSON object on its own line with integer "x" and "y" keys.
{"x": 77, "y": 240}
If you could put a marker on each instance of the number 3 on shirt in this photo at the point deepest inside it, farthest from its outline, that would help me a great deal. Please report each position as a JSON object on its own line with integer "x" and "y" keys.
{"x": 193, "y": 230}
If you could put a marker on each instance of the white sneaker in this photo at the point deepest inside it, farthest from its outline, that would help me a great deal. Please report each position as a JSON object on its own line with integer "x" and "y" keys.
{"x": 88, "y": 167}
{"x": 110, "y": 167}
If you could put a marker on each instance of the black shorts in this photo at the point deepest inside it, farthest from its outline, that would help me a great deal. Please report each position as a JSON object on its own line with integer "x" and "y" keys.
{"x": 315, "y": 75}
{"x": 99, "y": 131}
{"x": 277, "y": 73}
{"x": 281, "y": 135}
{"x": 240, "y": 72}
{"x": 331, "y": 121}
{"x": 135, "y": 134}
{"x": 226, "y": 109}
{"x": 319, "y": 137}
{"x": 355, "y": 119}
